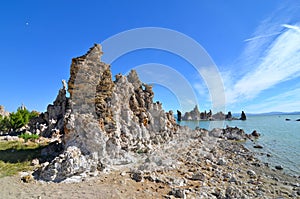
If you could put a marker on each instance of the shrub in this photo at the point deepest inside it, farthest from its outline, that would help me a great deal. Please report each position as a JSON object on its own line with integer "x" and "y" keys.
{"x": 16, "y": 120}
{"x": 4, "y": 123}
{"x": 27, "y": 136}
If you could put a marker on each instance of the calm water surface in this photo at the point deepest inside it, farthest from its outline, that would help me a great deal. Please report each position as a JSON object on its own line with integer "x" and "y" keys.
{"x": 279, "y": 138}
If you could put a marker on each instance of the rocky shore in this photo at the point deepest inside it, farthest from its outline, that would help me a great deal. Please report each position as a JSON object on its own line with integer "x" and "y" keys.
{"x": 110, "y": 140}
{"x": 195, "y": 164}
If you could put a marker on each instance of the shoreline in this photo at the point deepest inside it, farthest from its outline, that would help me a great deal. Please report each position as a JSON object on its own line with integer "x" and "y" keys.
{"x": 270, "y": 159}
{"x": 195, "y": 164}
{"x": 278, "y": 141}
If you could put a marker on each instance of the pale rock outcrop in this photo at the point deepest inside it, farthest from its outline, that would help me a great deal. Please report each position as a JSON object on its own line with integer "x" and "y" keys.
{"x": 72, "y": 163}
{"x": 192, "y": 115}
{"x": 196, "y": 115}
{"x": 105, "y": 121}
{"x": 219, "y": 116}
{"x": 51, "y": 123}
{"x": 3, "y": 112}
{"x": 230, "y": 133}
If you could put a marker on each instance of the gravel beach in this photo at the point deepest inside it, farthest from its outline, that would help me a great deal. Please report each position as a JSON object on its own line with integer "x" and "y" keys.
{"x": 197, "y": 166}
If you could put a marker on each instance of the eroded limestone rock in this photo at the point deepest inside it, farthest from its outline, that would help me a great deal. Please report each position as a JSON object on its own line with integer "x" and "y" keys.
{"x": 3, "y": 112}
{"x": 71, "y": 162}
{"x": 104, "y": 121}
{"x": 192, "y": 115}
{"x": 51, "y": 123}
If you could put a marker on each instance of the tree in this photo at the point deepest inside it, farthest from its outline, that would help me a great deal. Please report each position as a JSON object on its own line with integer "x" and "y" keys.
{"x": 16, "y": 120}
{"x": 4, "y": 123}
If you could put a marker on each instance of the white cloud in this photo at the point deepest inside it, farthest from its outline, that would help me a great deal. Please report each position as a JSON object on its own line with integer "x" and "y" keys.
{"x": 271, "y": 57}
{"x": 215, "y": 87}
{"x": 279, "y": 62}
{"x": 291, "y": 27}
{"x": 201, "y": 89}
{"x": 261, "y": 36}
{"x": 288, "y": 101}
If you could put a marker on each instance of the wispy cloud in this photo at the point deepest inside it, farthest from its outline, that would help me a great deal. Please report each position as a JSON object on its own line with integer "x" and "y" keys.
{"x": 201, "y": 89}
{"x": 291, "y": 27}
{"x": 279, "y": 61}
{"x": 262, "y": 36}
{"x": 283, "y": 102}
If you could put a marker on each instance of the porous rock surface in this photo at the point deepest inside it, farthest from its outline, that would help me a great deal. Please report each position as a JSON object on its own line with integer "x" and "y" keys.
{"x": 3, "y": 112}
{"x": 115, "y": 125}
{"x": 193, "y": 115}
{"x": 51, "y": 123}
{"x": 103, "y": 122}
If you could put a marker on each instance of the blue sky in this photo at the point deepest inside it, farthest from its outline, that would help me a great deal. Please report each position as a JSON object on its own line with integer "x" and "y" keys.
{"x": 254, "y": 44}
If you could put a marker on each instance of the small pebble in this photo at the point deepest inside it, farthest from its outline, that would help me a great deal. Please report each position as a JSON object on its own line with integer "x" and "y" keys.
{"x": 278, "y": 167}
{"x": 123, "y": 173}
{"x": 251, "y": 173}
{"x": 258, "y": 146}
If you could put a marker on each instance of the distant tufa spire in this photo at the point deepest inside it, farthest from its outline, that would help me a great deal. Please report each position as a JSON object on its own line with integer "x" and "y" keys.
{"x": 23, "y": 107}
{"x": 64, "y": 83}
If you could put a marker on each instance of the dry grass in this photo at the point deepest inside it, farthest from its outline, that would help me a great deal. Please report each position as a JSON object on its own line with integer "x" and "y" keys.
{"x": 17, "y": 145}
{"x": 9, "y": 169}
{"x": 16, "y": 156}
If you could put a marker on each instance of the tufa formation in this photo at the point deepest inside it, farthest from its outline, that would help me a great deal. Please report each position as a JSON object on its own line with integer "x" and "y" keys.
{"x": 103, "y": 122}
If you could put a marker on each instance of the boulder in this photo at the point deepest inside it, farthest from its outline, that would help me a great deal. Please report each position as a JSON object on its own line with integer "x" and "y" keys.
{"x": 234, "y": 133}
{"x": 251, "y": 173}
{"x": 198, "y": 177}
{"x": 255, "y": 133}
{"x": 137, "y": 176}
{"x": 258, "y": 146}
{"x": 178, "y": 193}
{"x": 221, "y": 162}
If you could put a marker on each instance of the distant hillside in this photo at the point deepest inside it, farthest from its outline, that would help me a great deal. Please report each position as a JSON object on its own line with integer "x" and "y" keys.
{"x": 273, "y": 113}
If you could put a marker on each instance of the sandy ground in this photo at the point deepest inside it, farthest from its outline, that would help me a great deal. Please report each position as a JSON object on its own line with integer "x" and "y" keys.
{"x": 111, "y": 185}
{"x": 115, "y": 185}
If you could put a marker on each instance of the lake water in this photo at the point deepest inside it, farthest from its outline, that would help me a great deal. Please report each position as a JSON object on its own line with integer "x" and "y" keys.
{"x": 279, "y": 137}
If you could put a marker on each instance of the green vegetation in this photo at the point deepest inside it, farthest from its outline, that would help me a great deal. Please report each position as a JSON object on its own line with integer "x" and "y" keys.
{"x": 16, "y": 120}
{"x": 18, "y": 145}
{"x": 4, "y": 124}
{"x": 9, "y": 169}
{"x": 27, "y": 136}
{"x": 16, "y": 156}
